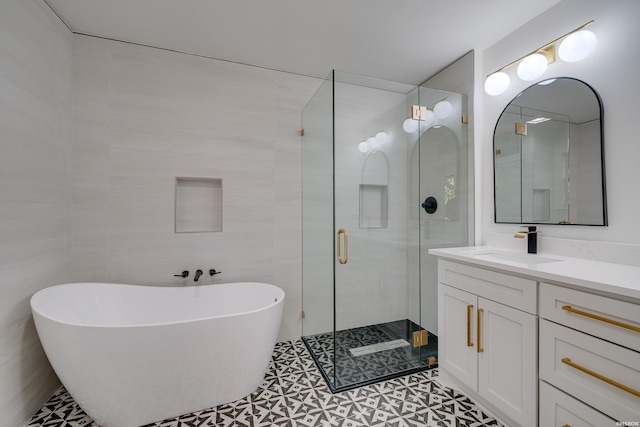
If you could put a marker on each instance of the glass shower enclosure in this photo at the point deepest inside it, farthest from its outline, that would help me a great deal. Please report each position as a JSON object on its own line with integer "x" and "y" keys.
{"x": 384, "y": 179}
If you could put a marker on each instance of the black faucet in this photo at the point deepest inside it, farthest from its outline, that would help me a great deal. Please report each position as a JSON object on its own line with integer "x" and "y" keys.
{"x": 532, "y": 238}
{"x": 198, "y": 274}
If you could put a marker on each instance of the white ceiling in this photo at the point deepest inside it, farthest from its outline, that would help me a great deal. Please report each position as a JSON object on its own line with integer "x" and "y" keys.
{"x": 401, "y": 40}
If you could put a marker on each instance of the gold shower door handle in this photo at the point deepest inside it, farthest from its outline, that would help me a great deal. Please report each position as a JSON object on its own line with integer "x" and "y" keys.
{"x": 343, "y": 232}
{"x": 480, "y": 311}
{"x": 469, "y": 311}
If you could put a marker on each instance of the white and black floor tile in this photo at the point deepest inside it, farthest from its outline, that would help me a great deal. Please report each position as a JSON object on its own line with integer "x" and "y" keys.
{"x": 294, "y": 394}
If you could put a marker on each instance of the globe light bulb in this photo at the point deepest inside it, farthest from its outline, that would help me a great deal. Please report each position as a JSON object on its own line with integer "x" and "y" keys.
{"x": 577, "y": 46}
{"x": 497, "y": 83}
{"x": 363, "y": 147}
{"x": 372, "y": 143}
{"x": 429, "y": 119}
{"x": 443, "y": 109}
{"x": 381, "y": 138}
{"x": 410, "y": 125}
{"x": 532, "y": 67}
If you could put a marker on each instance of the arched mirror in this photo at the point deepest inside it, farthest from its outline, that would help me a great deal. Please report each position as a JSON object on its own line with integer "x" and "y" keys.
{"x": 548, "y": 156}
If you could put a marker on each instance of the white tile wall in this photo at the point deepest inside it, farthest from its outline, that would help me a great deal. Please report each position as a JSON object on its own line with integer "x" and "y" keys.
{"x": 35, "y": 193}
{"x": 143, "y": 117}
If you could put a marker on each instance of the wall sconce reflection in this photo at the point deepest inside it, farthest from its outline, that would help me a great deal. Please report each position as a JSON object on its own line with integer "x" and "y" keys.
{"x": 422, "y": 118}
{"x": 373, "y": 142}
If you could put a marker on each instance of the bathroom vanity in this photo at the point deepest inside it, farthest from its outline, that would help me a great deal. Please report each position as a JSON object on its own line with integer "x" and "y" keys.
{"x": 540, "y": 340}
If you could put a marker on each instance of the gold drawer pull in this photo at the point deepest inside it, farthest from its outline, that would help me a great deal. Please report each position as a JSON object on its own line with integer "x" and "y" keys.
{"x": 566, "y": 425}
{"x": 616, "y": 384}
{"x": 469, "y": 310}
{"x": 480, "y": 311}
{"x": 600, "y": 318}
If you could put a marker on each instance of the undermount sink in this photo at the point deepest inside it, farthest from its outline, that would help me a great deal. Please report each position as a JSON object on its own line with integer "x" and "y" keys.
{"x": 528, "y": 259}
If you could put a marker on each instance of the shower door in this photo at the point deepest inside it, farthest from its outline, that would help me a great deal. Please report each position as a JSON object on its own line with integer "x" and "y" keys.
{"x": 360, "y": 307}
{"x": 369, "y": 286}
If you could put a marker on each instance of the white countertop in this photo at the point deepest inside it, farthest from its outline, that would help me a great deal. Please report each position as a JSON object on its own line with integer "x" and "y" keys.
{"x": 616, "y": 279}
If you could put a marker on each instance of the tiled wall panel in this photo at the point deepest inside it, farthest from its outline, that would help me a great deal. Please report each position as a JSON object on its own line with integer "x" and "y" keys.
{"x": 35, "y": 193}
{"x": 145, "y": 116}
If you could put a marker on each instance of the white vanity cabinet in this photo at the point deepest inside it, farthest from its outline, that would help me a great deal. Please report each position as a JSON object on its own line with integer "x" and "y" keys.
{"x": 560, "y": 337}
{"x": 487, "y": 338}
{"x": 590, "y": 352}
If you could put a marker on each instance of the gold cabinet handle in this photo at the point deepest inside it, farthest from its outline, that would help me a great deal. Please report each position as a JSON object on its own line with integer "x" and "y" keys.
{"x": 480, "y": 311}
{"x": 566, "y": 425}
{"x": 609, "y": 381}
{"x": 469, "y": 311}
{"x": 600, "y": 318}
{"x": 343, "y": 232}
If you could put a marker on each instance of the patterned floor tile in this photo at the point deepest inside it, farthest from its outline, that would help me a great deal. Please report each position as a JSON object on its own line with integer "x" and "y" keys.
{"x": 294, "y": 394}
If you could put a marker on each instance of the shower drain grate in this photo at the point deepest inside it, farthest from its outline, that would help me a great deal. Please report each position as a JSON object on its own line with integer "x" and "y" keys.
{"x": 374, "y": 348}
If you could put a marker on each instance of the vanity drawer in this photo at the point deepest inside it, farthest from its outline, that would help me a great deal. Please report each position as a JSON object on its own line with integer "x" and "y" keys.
{"x": 558, "y": 409}
{"x": 607, "y": 318}
{"x": 509, "y": 290}
{"x": 565, "y": 354}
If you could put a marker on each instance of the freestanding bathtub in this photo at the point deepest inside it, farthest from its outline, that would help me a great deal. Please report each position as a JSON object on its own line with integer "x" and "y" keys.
{"x": 131, "y": 355}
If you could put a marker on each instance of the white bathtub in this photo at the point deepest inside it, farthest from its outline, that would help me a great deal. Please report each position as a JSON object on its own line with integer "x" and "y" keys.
{"x": 130, "y": 355}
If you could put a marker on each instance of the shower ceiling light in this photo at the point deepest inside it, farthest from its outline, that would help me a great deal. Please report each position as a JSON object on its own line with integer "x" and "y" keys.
{"x": 538, "y": 120}
{"x": 576, "y": 45}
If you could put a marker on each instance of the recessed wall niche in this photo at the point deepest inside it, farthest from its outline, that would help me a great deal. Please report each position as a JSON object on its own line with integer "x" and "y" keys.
{"x": 374, "y": 191}
{"x": 198, "y": 206}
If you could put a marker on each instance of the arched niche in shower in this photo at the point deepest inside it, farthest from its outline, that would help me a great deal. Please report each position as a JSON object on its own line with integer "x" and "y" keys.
{"x": 374, "y": 188}
{"x": 434, "y": 175}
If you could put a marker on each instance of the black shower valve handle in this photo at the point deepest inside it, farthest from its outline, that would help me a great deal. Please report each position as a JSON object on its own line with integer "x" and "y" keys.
{"x": 213, "y": 271}
{"x": 184, "y": 274}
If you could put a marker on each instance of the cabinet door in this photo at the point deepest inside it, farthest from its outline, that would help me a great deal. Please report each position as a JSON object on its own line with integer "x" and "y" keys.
{"x": 507, "y": 360}
{"x": 456, "y": 337}
{"x": 559, "y": 409}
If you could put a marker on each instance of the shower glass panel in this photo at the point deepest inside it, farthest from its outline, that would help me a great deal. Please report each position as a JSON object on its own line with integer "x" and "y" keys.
{"x": 532, "y": 166}
{"x": 369, "y": 287}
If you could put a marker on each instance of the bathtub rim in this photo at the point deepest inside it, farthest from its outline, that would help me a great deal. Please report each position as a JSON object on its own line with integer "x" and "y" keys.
{"x": 33, "y": 303}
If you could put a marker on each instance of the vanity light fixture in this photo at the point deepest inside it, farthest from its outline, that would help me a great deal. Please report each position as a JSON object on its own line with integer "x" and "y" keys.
{"x": 373, "y": 142}
{"x": 575, "y": 46}
{"x": 424, "y": 117}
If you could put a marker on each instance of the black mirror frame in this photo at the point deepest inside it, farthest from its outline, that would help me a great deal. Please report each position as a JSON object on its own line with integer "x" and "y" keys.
{"x": 602, "y": 159}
